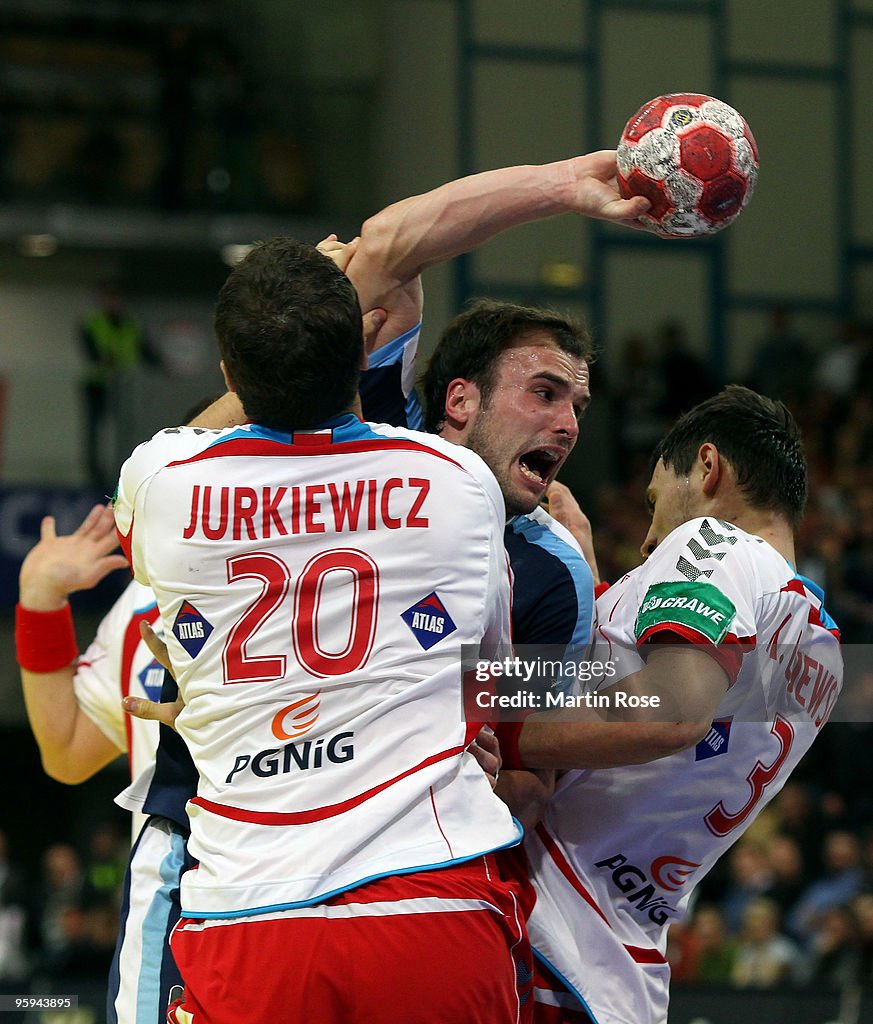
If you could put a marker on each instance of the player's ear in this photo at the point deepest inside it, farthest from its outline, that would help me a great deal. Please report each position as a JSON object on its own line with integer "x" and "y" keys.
{"x": 711, "y": 466}
{"x": 228, "y": 380}
{"x": 462, "y": 403}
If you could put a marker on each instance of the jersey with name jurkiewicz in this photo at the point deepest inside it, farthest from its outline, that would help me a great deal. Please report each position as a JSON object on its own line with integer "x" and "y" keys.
{"x": 166, "y": 783}
{"x": 620, "y": 850}
{"x": 316, "y": 589}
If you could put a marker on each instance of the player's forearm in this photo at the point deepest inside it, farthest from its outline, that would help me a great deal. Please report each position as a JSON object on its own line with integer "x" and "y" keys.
{"x": 71, "y": 746}
{"x": 402, "y": 240}
{"x": 587, "y": 745}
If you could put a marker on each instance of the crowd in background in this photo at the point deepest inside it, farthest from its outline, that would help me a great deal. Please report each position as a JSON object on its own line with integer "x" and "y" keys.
{"x": 793, "y": 901}
{"x": 59, "y": 917}
{"x": 830, "y": 392}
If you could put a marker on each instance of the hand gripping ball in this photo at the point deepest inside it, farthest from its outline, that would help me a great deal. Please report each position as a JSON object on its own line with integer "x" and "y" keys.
{"x": 694, "y": 158}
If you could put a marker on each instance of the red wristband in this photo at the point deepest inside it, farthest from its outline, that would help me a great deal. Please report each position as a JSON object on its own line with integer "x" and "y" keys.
{"x": 45, "y": 641}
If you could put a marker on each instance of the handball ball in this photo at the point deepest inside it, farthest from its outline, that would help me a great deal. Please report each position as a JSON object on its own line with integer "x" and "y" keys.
{"x": 694, "y": 158}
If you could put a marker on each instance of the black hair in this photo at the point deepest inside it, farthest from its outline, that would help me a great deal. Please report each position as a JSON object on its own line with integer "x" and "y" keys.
{"x": 289, "y": 330}
{"x": 474, "y": 340}
{"x": 758, "y": 436}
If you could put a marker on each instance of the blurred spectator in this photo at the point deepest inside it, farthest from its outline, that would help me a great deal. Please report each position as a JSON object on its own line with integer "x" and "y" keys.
{"x": 854, "y": 588}
{"x": 114, "y": 345}
{"x": 637, "y": 395}
{"x": 835, "y": 950}
{"x": 765, "y": 957}
{"x": 107, "y": 861}
{"x": 750, "y": 876}
{"x": 780, "y": 366}
{"x": 13, "y": 918}
{"x": 86, "y": 939}
{"x": 842, "y": 760}
{"x": 836, "y": 372}
{"x": 863, "y": 908}
{"x": 685, "y": 377}
{"x": 842, "y": 881}
{"x": 706, "y": 950}
{"x": 61, "y": 887}
{"x": 788, "y": 878}
{"x": 800, "y": 818}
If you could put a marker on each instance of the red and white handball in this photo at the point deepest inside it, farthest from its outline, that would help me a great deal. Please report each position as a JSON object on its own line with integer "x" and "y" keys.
{"x": 694, "y": 158}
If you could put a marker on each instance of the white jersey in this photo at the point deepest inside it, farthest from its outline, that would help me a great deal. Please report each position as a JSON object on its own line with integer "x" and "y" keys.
{"x": 116, "y": 664}
{"x": 620, "y": 850}
{"x": 315, "y": 590}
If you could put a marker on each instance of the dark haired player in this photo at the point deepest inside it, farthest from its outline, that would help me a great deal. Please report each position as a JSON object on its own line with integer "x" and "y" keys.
{"x": 746, "y": 661}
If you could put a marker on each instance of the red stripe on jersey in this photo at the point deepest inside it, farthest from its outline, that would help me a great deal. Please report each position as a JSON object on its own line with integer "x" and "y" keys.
{"x": 439, "y": 826}
{"x": 728, "y": 653}
{"x": 645, "y": 956}
{"x": 264, "y": 447}
{"x": 126, "y": 541}
{"x": 317, "y": 813}
{"x": 814, "y": 618}
{"x": 132, "y": 640}
{"x": 640, "y": 954}
{"x": 317, "y": 438}
{"x": 567, "y": 871}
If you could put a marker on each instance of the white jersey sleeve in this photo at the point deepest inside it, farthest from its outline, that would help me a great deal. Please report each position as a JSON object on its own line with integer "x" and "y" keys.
{"x": 699, "y": 586}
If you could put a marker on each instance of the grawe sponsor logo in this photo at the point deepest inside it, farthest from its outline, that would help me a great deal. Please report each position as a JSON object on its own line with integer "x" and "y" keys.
{"x": 700, "y": 607}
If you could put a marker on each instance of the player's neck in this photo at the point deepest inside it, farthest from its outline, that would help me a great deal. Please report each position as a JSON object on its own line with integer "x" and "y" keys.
{"x": 771, "y": 527}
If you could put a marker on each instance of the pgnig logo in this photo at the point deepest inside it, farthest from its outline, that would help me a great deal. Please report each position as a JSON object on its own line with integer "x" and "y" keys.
{"x": 292, "y": 723}
{"x": 668, "y": 873}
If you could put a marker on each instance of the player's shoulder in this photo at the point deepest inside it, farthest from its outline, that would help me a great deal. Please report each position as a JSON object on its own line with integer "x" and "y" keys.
{"x": 539, "y": 527}
{"x": 463, "y": 458}
{"x": 173, "y": 444}
{"x": 705, "y": 547}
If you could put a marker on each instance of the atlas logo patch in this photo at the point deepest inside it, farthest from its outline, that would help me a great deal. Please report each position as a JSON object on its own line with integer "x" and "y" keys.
{"x": 151, "y": 679}
{"x": 715, "y": 742}
{"x": 429, "y": 621}
{"x": 191, "y": 629}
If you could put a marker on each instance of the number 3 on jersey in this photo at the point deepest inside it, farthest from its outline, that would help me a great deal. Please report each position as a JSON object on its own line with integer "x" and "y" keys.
{"x": 719, "y": 820}
{"x": 276, "y": 580}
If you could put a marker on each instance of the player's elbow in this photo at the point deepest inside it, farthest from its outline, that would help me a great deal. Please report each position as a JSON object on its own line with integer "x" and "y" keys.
{"x": 66, "y": 770}
{"x": 384, "y": 250}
